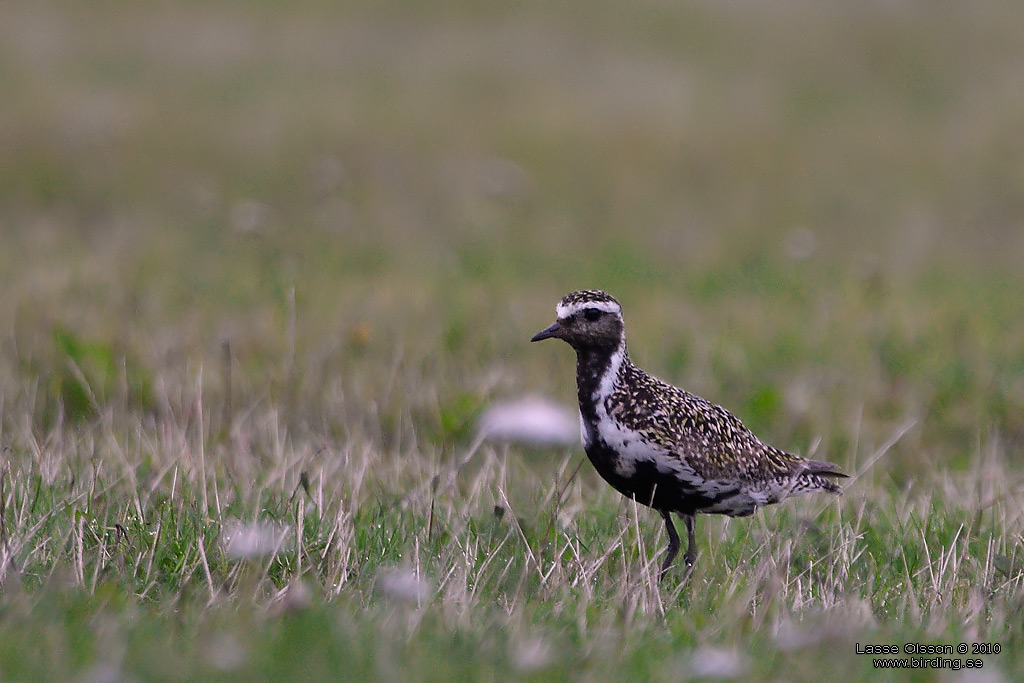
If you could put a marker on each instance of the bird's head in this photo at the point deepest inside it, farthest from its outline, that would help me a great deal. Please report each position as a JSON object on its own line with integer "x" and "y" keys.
{"x": 587, "y": 319}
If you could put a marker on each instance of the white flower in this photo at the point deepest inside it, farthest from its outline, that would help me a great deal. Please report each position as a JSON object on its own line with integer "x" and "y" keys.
{"x": 247, "y": 540}
{"x": 531, "y": 420}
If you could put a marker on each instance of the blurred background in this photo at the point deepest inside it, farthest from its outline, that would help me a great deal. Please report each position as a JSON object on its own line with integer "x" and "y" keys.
{"x": 811, "y": 213}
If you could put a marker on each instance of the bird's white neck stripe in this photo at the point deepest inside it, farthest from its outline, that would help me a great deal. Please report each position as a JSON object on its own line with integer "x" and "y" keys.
{"x": 607, "y": 383}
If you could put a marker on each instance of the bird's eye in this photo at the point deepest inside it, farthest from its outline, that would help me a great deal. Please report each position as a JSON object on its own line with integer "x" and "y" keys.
{"x": 592, "y": 314}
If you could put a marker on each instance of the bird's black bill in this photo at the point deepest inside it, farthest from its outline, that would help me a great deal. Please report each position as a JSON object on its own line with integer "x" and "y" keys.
{"x": 547, "y": 333}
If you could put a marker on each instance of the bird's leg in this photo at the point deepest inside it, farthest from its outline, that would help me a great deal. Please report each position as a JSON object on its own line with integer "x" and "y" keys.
{"x": 673, "y": 542}
{"x": 690, "y": 556}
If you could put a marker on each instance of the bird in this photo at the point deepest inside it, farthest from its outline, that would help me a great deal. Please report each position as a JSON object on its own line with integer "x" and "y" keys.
{"x": 662, "y": 446}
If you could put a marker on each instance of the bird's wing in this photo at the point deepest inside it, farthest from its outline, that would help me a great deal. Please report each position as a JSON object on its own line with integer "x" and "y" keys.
{"x": 712, "y": 442}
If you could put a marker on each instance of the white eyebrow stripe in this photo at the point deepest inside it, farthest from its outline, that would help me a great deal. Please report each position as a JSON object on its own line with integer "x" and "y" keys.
{"x": 565, "y": 310}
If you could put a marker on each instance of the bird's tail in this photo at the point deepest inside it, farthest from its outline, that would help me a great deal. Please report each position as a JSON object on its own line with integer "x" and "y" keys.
{"x": 820, "y": 475}
{"x": 823, "y": 469}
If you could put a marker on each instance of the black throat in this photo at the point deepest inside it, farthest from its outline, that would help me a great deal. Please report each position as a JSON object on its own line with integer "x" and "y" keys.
{"x": 591, "y": 364}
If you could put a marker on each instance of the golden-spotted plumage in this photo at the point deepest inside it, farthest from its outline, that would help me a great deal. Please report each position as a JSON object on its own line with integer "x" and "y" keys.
{"x": 663, "y": 446}
{"x": 712, "y": 441}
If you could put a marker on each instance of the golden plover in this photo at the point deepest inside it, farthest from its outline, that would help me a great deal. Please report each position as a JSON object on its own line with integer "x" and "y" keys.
{"x": 665, "y": 447}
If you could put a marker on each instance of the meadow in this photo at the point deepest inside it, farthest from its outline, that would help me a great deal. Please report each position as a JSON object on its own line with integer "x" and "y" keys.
{"x": 263, "y": 267}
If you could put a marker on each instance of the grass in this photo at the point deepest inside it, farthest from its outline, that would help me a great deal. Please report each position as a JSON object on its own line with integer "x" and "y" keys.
{"x": 117, "y": 564}
{"x": 263, "y": 268}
